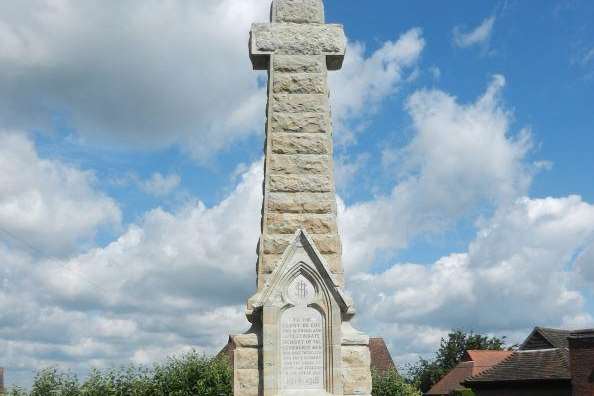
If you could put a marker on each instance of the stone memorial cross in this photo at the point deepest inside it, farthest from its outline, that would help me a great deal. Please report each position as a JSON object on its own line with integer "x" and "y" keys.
{"x": 301, "y": 341}
{"x": 297, "y": 48}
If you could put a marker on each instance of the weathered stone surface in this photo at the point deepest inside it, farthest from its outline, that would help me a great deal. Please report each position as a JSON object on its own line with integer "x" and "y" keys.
{"x": 299, "y": 64}
{"x": 285, "y": 103}
{"x": 356, "y": 357}
{"x": 356, "y": 381}
{"x": 299, "y": 83}
{"x": 299, "y": 123}
{"x": 326, "y": 244}
{"x": 299, "y": 164}
{"x": 298, "y": 11}
{"x": 246, "y": 340}
{"x": 246, "y": 358}
{"x": 287, "y": 39}
{"x": 297, "y": 143}
{"x": 247, "y": 381}
{"x": 320, "y": 203}
{"x": 299, "y": 183}
{"x": 290, "y": 223}
{"x": 269, "y": 263}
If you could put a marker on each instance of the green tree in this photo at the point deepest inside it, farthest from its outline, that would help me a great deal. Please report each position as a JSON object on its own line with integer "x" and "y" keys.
{"x": 391, "y": 383}
{"x": 426, "y": 373}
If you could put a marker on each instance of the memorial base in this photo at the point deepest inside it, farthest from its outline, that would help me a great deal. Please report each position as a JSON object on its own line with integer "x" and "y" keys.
{"x": 248, "y": 378}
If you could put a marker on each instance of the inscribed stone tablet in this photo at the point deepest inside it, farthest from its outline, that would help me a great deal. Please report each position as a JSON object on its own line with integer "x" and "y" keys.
{"x": 302, "y": 349}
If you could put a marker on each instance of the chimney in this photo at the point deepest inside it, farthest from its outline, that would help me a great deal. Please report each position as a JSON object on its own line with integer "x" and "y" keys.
{"x": 581, "y": 361}
{"x": 1, "y": 381}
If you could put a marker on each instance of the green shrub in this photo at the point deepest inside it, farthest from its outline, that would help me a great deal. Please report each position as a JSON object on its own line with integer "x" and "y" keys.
{"x": 462, "y": 392}
{"x": 391, "y": 383}
{"x": 189, "y": 375}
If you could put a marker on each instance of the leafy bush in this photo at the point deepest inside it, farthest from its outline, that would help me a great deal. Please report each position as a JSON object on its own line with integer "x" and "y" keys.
{"x": 188, "y": 375}
{"x": 391, "y": 383}
{"x": 462, "y": 392}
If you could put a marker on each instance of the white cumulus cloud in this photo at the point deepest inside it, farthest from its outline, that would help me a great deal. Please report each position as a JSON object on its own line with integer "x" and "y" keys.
{"x": 159, "y": 185}
{"x": 47, "y": 204}
{"x": 479, "y": 35}
{"x": 461, "y": 157}
{"x": 363, "y": 83}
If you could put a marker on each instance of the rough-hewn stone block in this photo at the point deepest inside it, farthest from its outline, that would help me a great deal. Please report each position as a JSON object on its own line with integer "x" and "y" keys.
{"x": 269, "y": 263}
{"x": 356, "y": 357}
{"x": 298, "y": 11}
{"x": 299, "y": 64}
{"x": 320, "y": 203}
{"x": 298, "y": 103}
{"x": 299, "y": 164}
{"x": 246, "y": 358}
{"x": 290, "y": 223}
{"x": 277, "y": 244}
{"x": 299, "y": 83}
{"x": 247, "y": 379}
{"x": 287, "y": 39}
{"x": 246, "y": 340}
{"x": 356, "y": 381}
{"x": 300, "y": 183}
{"x": 299, "y": 123}
{"x": 293, "y": 143}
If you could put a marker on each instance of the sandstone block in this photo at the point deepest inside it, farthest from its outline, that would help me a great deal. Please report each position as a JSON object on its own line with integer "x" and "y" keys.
{"x": 287, "y": 39}
{"x": 299, "y": 83}
{"x": 300, "y": 183}
{"x": 356, "y": 381}
{"x": 320, "y": 203}
{"x": 289, "y": 223}
{"x": 269, "y": 263}
{"x": 277, "y": 244}
{"x": 299, "y": 164}
{"x": 298, "y": 11}
{"x": 246, "y": 340}
{"x": 334, "y": 262}
{"x": 328, "y": 243}
{"x": 356, "y": 357}
{"x": 299, "y": 103}
{"x": 247, "y": 381}
{"x": 246, "y": 358}
{"x": 299, "y": 123}
{"x": 293, "y": 143}
{"x": 299, "y": 64}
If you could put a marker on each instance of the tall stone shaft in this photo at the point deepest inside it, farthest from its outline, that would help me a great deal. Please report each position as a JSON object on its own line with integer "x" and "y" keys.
{"x": 301, "y": 342}
{"x": 297, "y": 49}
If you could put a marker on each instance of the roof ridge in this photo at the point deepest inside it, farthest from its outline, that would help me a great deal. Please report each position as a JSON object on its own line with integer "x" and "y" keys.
{"x": 484, "y": 372}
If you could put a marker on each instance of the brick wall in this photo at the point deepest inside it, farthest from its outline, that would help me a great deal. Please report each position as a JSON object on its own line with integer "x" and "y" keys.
{"x": 581, "y": 354}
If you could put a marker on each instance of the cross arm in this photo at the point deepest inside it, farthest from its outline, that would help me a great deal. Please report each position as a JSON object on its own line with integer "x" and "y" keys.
{"x": 297, "y": 39}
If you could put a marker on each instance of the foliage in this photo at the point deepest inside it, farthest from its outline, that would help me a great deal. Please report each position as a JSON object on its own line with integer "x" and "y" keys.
{"x": 426, "y": 373}
{"x": 391, "y": 383}
{"x": 189, "y": 375}
{"x": 462, "y": 392}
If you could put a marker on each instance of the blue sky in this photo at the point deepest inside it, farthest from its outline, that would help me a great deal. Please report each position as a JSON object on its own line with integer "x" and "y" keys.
{"x": 131, "y": 149}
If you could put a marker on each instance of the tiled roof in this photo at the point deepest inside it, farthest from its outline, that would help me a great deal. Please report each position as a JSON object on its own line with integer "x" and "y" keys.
{"x": 552, "y": 338}
{"x": 478, "y": 362}
{"x": 381, "y": 359}
{"x": 452, "y": 380}
{"x": 484, "y": 360}
{"x": 539, "y": 365}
